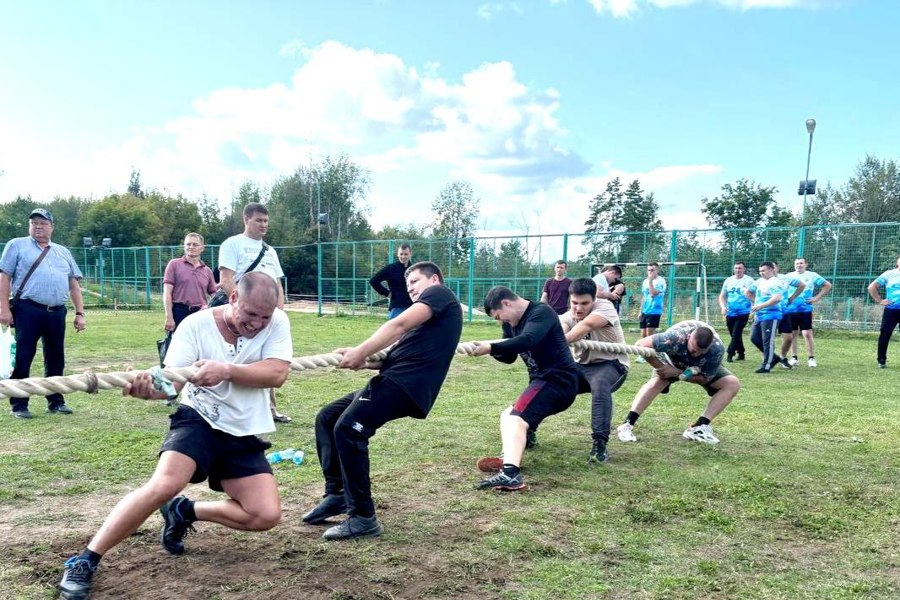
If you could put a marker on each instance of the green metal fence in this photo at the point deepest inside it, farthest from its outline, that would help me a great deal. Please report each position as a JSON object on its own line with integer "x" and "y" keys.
{"x": 333, "y": 276}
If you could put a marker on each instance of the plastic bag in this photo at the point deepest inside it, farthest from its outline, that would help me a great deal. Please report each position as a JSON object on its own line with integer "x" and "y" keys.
{"x": 7, "y": 352}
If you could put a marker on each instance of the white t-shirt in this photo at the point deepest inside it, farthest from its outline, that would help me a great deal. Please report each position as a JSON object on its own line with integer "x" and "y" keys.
{"x": 239, "y": 251}
{"x": 228, "y": 407}
{"x": 602, "y": 283}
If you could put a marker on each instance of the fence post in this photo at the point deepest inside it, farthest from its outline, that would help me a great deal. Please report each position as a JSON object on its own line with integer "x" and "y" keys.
{"x": 801, "y": 242}
{"x": 147, "y": 276}
{"x": 565, "y": 255}
{"x": 673, "y": 256}
{"x": 319, "y": 276}
{"x": 471, "y": 294}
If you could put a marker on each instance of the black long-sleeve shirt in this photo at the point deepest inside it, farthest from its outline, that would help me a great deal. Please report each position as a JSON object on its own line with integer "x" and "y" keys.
{"x": 393, "y": 274}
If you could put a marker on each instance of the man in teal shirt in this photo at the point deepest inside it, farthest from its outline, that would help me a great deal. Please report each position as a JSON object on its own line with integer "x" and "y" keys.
{"x": 891, "y": 303}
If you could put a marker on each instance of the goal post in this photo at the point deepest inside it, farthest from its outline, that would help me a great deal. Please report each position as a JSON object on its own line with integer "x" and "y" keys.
{"x": 700, "y": 300}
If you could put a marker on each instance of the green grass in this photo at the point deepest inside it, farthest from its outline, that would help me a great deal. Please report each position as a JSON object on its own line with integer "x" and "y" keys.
{"x": 799, "y": 500}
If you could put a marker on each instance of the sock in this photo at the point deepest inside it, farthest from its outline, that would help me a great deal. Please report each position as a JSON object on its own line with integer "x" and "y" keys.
{"x": 186, "y": 509}
{"x": 510, "y": 470}
{"x": 700, "y": 421}
{"x": 92, "y": 557}
{"x": 632, "y": 417}
{"x": 810, "y": 357}
{"x": 795, "y": 357}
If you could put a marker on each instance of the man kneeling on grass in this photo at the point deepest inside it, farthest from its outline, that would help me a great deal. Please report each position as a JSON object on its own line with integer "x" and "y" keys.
{"x": 695, "y": 352}
{"x": 242, "y": 349}
{"x": 533, "y": 332}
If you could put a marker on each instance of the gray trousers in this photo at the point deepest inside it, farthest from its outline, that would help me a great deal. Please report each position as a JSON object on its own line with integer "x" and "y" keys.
{"x": 605, "y": 377}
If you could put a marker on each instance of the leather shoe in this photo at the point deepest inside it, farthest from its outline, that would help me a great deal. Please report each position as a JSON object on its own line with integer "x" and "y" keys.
{"x": 331, "y": 505}
{"x": 354, "y": 527}
{"x": 62, "y": 409}
{"x": 23, "y": 414}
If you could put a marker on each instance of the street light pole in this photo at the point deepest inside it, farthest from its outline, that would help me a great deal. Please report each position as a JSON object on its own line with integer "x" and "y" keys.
{"x": 810, "y": 127}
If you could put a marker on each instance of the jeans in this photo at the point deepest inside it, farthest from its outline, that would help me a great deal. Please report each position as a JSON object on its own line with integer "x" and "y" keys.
{"x": 605, "y": 378}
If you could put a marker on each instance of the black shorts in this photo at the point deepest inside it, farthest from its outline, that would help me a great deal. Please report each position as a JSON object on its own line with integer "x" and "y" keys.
{"x": 785, "y": 325}
{"x": 801, "y": 321}
{"x": 720, "y": 373}
{"x": 218, "y": 455}
{"x": 541, "y": 399}
{"x": 649, "y": 321}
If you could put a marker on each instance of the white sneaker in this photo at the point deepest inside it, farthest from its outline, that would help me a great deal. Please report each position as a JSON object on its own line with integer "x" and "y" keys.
{"x": 700, "y": 433}
{"x": 793, "y": 361}
{"x": 813, "y": 363}
{"x": 625, "y": 431}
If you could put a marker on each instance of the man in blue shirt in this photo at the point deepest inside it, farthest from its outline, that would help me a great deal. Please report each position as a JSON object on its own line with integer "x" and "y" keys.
{"x": 793, "y": 287}
{"x": 891, "y": 303}
{"x": 736, "y": 308}
{"x": 800, "y": 310}
{"x": 39, "y": 310}
{"x": 766, "y": 293}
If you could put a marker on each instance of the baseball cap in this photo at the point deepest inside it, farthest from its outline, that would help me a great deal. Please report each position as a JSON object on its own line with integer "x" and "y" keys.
{"x": 41, "y": 212}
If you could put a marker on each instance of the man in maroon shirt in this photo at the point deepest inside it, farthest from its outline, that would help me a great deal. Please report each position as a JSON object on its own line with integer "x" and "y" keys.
{"x": 187, "y": 283}
{"x": 556, "y": 289}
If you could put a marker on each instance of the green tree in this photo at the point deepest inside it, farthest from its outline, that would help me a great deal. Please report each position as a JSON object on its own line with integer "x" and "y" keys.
{"x": 212, "y": 223}
{"x": 14, "y": 218}
{"x": 742, "y": 207}
{"x": 871, "y": 195}
{"x": 402, "y": 231}
{"x": 66, "y": 216}
{"x": 177, "y": 216}
{"x": 454, "y": 213}
{"x": 616, "y": 222}
{"x": 134, "y": 184}
{"x": 126, "y": 219}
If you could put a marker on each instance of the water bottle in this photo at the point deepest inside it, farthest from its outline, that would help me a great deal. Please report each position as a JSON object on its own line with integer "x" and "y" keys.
{"x": 280, "y": 456}
{"x": 688, "y": 373}
{"x": 298, "y": 457}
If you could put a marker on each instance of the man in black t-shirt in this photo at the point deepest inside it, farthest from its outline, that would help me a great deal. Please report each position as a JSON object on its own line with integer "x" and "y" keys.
{"x": 427, "y": 334}
{"x": 394, "y": 275}
{"x": 533, "y": 332}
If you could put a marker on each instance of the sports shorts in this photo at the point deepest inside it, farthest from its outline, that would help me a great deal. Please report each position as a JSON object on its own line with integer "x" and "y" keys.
{"x": 720, "y": 373}
{"x": 541, "y": 399}
{"x": 649, "y": 321}
{"x": 802, "y": 321}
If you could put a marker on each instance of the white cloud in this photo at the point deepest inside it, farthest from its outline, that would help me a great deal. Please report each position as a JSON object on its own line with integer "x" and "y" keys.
{"x": 489, "y": 10}
{"x": 627, "y": 8}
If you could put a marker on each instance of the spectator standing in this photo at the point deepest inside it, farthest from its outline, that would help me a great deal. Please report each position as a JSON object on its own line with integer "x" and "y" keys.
{"x": 394, "y": 275}
{"x": 556, "y": 289}
{"x": 187, "y": 283}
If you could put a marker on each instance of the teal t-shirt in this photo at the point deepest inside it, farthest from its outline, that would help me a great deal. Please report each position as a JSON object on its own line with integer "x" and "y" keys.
{"x": 653, "y": 305}
{"x": 891, "y": 282}
{"x": 765, "y": 290}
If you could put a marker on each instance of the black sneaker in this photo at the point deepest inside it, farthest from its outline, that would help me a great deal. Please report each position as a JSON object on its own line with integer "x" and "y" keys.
{"x": 763, "y": 370}
{"x": 785, "y": 363}
{"x": 354, "y": 527}
{"x": 76, "y": 580}
{"x": 331, "y": 505}
{"x": 23, "y": 414}
{"x": 175, "y": 527}
{"x": 729, "y": 358}
{"x": 740, "y": 357}
{"x": 599, "y": 454}
{"x": 62, "y": 409}
{"x": 881, "y": 365}
{"x": 502, "y": 481}
{"x": 530, "y": 439}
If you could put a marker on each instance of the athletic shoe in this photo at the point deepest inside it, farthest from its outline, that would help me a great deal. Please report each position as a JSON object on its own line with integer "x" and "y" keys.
{"x": 882, "y": 365}
{"x": 331, "y": 505}
{"x": 700, "y": 433}
{"x": 502, "y": 481}
{"x": 785, "y": 364}
{"x": 175, "y": 527}
{"x": 793, "y": 361}
{"x": 812, "y": 363}
{"x": 76, "y": 580}
{"x": 62, "y": 409}
{"x": 599, "y": 454}
{"x": 280, "y": 418}
{"x": 740, "y": 357}
{"x": 23, "y": 414}
{"x": 530, "y": 439}
{"x": 354, "y": 527}
{"x": 625, "y": 432}
{"x": 763, "y": 370}
{"x": 729, "y": 358}
{"x": 489, "y": 464}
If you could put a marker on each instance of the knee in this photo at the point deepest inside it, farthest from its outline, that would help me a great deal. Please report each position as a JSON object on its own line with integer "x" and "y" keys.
{"x": 349, "y": 431}
{"x": 265, "y": 518}
{"x": 160, "y": 491}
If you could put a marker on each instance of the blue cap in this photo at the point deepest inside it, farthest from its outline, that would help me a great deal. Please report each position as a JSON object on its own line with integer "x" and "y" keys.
{"x": 41, "y": 212}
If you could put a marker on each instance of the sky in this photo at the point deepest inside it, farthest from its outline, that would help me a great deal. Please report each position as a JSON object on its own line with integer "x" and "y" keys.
{"x": 537, "y": 103}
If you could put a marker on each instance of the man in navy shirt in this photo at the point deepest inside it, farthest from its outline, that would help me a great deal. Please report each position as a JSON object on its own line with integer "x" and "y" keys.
{"x": 39, "y": 312}
{"x": 533, "y": 332}
{"x": 394, "y": 275}
{"x": 407, "y": 385}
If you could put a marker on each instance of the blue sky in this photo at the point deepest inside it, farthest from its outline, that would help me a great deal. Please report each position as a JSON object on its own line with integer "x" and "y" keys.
{"x": 537, "y": 103}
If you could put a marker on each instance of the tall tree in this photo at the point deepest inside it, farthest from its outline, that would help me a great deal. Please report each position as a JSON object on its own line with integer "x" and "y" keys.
{"x": 454, "y": 213}
{"x": 126, "y": 219}
{"x": 742, "y": 207}
{"x": 134, "y": 184}
{"x": 871, "y": 195}
{"x": 617, "y": 218}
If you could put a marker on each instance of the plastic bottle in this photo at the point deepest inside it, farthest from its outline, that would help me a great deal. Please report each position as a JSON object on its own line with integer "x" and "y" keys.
{"x": 298, "y": 457}
{"x": 688, "y": 373}
{"x": 280, "y": 456}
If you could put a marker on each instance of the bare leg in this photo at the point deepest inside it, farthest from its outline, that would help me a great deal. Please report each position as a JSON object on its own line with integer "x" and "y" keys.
{"x": 793, "y": 344}
{"x": 647, "y": 394}
{"x": 726, "y": 389}
{"x": 513, "y": 430}
{"x": 173, "y": 472}
{"x": 808, "y": 338}
{"x": 254, "y": 504}
{"x": 787, "y": 341}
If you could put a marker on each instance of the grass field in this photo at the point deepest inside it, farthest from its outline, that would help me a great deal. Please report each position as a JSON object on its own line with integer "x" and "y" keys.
{"x": 799, "y": 500}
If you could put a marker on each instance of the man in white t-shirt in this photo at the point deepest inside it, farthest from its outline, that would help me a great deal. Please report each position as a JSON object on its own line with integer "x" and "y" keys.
{"x": 596, "y": 319}
{"x": 238, "y": 253}
{"x": 242, "y": 349}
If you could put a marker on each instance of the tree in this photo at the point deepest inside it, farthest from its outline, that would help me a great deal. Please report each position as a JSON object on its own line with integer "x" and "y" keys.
{"x": 742, "y": 207}
{"x": 402, "y": 231}
{"x": 615, "y": 220}
{"x": 134, "y": 184}
{"x": 871, "y": 195}
{"x": 454, "y": 214}
{"x": 126, "y": 219}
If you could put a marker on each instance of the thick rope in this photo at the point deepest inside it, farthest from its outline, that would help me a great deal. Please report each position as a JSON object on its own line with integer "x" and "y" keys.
{"x": 93, "y": 382}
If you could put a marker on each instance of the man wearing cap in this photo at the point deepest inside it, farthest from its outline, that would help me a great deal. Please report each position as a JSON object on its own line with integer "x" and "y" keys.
{"x": 38, "y": 306}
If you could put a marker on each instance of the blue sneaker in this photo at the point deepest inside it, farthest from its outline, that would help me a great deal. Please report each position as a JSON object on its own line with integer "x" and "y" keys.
{"x": 175, "y": 527}
{"x": 76, "y": 580}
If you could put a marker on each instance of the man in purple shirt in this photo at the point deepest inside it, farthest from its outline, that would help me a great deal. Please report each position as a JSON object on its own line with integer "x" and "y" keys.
{"x": 187, "y": 283}
{"x": 556, "y": 289}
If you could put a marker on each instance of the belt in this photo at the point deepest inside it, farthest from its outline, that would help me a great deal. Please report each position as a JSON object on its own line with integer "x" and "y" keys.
{"x": 189, "y": 308}
{"x": 43, "y": 306}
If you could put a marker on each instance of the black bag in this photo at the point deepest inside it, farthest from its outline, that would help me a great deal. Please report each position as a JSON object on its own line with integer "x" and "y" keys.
{"x": 162, "y": 346}
{"x": 220, "y": 297}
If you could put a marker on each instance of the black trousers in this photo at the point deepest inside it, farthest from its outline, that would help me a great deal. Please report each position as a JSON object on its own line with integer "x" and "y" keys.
{"x": 343, "y": 429}
{"x": 34, "y": 323}
{"x": 736, "y": 329}
{"x": 181, "y": 311}
{"x": 889, "y": 321}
